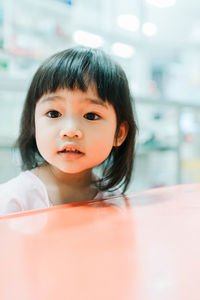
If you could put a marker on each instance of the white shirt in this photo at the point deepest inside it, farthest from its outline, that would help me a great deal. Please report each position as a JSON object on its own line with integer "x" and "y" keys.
{"x": 28, "y": 192}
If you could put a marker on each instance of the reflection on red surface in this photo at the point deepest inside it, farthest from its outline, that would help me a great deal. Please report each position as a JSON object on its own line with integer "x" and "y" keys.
{"x": 143, "y": 247}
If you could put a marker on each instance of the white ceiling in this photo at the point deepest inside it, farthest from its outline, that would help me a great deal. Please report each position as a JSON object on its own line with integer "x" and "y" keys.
{"x": 176, "y": 25}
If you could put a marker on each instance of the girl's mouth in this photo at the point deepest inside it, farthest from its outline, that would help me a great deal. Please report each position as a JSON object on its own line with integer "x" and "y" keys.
{"x": 70, "y": 148}
{"x": 70, "y": 152}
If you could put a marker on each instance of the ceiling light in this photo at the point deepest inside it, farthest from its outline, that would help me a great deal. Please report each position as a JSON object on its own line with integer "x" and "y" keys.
{"x": 122, "y": 50}
{"x": 128, "y": 22}
{"x": 87, "y": 39}
{"x": 162, "y": 3}
{"x": 149, "y": 29}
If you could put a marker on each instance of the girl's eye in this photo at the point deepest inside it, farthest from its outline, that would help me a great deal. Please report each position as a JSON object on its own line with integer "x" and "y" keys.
{"x": 91, "y": 116}
{"x": 53, "y": 114}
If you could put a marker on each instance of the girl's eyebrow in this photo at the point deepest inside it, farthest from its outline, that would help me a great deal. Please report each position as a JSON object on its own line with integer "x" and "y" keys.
{"x": 50, "y": 98}
{"x": 96, "y": 101}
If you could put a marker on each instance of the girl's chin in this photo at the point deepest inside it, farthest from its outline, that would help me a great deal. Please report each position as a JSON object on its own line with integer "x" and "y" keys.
{"x": 71, "y": 171}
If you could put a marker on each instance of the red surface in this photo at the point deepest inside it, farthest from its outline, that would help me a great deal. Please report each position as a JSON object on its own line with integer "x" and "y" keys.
{"x": 145, "y": 247}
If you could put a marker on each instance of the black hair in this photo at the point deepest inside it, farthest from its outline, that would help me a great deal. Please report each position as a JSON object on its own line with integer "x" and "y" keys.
{"x": 78, "y": 68}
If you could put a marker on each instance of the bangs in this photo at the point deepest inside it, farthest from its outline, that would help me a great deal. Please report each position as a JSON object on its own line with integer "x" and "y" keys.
{"x": 78, "y": 68}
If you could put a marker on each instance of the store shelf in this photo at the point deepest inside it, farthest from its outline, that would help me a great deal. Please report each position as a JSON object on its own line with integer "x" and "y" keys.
{"x": 144, "y": 150}
{"x": 158, "y": 67}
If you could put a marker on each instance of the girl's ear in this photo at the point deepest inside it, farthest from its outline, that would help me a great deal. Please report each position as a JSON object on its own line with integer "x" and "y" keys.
{"x": 122, "y": 134}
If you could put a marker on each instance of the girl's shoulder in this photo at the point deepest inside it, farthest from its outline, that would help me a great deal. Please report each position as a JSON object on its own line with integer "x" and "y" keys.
{"x": 24, "y": 192}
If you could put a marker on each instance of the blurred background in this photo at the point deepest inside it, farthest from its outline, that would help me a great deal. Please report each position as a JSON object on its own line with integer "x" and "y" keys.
{"x": 157, "y": 42}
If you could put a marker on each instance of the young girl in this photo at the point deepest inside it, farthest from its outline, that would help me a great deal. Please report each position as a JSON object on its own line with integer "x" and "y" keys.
{"x": 77, "y": 116}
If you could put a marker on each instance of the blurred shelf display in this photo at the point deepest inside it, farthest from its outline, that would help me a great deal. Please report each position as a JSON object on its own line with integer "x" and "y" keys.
{"x": 168, "y": 144}
{"x": 27, "y": 33}
{"x": 8, "y": 164}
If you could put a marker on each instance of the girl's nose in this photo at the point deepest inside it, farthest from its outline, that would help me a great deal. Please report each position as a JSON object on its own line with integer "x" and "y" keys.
{"x": 71, "y": 131}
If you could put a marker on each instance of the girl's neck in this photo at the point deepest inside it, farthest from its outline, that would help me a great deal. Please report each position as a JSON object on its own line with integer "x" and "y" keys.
{"x": 66, "y": 188}
{"x": 79, "y": 180}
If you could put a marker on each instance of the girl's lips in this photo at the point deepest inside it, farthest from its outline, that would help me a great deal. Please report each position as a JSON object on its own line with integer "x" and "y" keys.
{"x": 71, "y": 155}
{"x": 70, "y": 152}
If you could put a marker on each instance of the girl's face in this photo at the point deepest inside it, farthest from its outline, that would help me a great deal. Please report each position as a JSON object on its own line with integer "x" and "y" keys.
{"x": 75, "y": 130}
